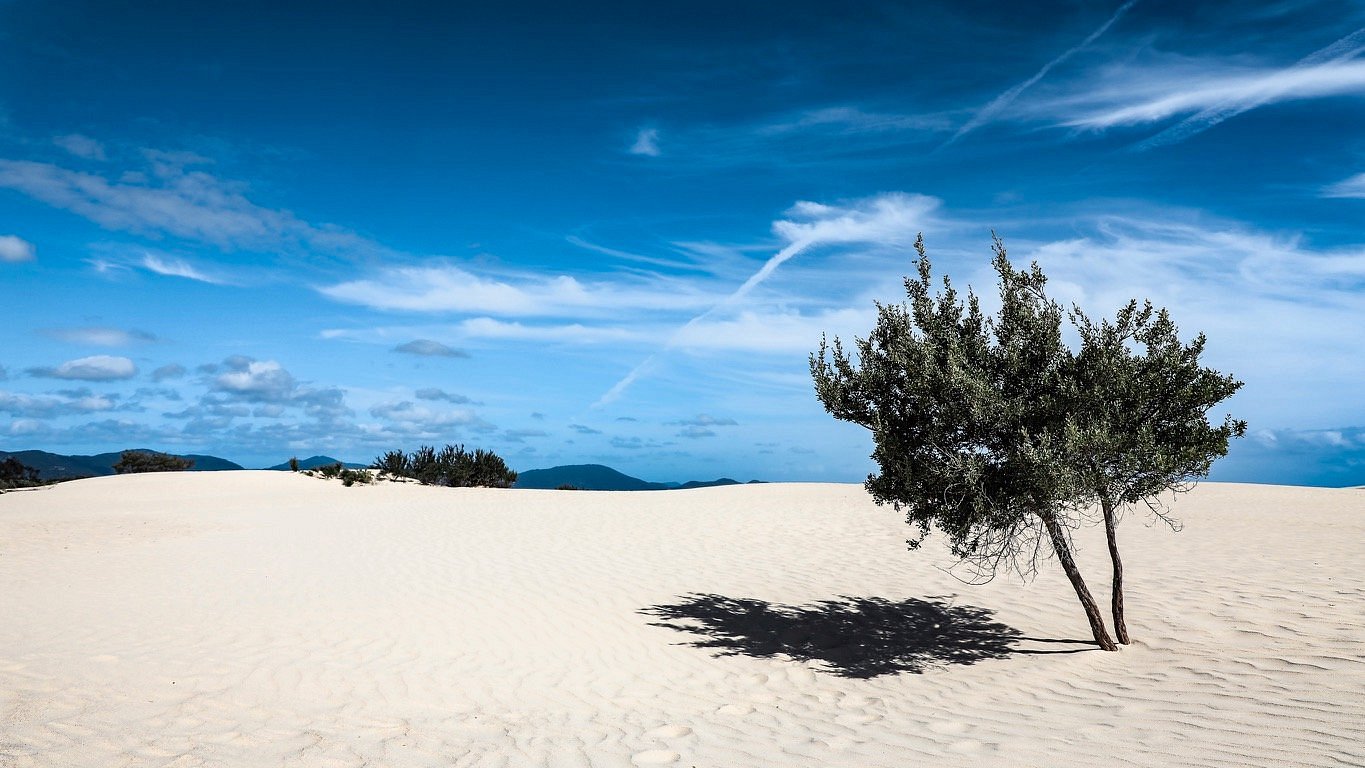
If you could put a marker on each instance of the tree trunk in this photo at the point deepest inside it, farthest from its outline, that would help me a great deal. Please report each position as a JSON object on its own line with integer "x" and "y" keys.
{"x": 1092, "y": 611}
{"x": 1111, "y": 533}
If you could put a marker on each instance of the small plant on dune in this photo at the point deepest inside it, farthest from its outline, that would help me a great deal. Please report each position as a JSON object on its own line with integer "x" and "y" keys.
{"x": 330, "y": 470}
{"x": 350, "y": 477}
{"x": 567, "y": 487}
{"x": 293, "y": 463}
{"x": 452, "y": 466}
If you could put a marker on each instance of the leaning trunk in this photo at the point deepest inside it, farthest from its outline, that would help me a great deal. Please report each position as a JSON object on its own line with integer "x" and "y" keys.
{"x": 1111, "y": 533}
{"x": 1092, "y": 611}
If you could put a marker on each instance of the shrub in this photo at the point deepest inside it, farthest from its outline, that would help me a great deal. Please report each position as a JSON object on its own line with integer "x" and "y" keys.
{"x": 16, "y": 474}
{"x": 395, "y": 463}
{"x": 452, "y": 466}
{"x": 293, "y": 463}
{"x": 350, "y": 477}
{"x": 567, "y": 487}
{"x": 134, "y": 462}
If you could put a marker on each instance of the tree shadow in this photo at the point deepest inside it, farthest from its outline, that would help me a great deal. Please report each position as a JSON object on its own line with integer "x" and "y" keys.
{"x": 858, "y": 637}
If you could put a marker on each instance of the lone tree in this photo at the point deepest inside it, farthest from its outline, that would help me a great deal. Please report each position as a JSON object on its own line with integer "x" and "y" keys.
{"x": 133, "y": 462}
{"x": 975, "y": 420}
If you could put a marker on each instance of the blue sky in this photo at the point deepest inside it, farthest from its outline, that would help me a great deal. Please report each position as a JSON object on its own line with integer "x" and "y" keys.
{"x": 612, "y": 232}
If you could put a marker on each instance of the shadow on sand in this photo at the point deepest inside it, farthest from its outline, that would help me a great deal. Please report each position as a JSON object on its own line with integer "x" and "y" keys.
{"x": 858, "y": 637}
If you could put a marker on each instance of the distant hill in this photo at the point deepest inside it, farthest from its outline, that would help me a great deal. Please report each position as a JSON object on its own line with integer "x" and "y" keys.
{"x": 597, "y": 477}
{"x": 56, "y": 466}
{"x": 313, "y": 462}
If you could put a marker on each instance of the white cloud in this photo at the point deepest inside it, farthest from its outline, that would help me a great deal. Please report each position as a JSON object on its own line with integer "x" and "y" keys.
{"x": 81, "y": 146}
{"x": 1235, "y": 92}
{"x": 263, "y": 380}
{"x": 646, "y": 143}
{"x": 1205, "y": 93}
{"x": 15, "y": 249}
{"x": 432, "y": 393}
{"x": 853, "y": 120}
{"x": 100, "y": 337}
{"x": 891, "y": 218}
{"x": 51, "y": 405}
{"x": 408, "y": 412}
{"x": 1352, "y": 187}
{"x": 429, "y": 348}
{"x": 707, "y": 420}
{"x": 171, "y": 371}
{"x": 573, "y": 333}
{"x": 177, "y": 268}
{"x": 451, "y": 289}
{"x": 775, "y": 332}
{"x": 96, "y": 368}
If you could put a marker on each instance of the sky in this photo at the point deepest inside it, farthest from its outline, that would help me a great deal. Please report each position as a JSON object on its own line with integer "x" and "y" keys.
{"x": 613, "y": 232}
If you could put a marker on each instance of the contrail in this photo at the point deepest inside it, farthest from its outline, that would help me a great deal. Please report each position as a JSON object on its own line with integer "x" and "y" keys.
{"x": 758, "y": 277}
{"x": 998, "y": 104}
{"x": 1344, "y": 49}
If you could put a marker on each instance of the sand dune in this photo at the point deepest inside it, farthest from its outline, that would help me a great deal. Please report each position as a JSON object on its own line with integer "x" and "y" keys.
{"x": 266, "y": 618}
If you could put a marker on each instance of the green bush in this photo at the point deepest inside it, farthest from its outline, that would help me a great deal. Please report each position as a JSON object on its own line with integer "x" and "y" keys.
{"x": 451, "y": 466}
{"x": 134, "y": 462}
{"x": 16, "y": 474}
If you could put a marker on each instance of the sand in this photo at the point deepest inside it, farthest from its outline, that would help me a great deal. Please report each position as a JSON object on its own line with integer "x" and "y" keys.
{"x": 272, "y": 619}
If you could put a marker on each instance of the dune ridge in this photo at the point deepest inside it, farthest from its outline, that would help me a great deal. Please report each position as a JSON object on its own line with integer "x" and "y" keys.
{"x": 263, "y": 618}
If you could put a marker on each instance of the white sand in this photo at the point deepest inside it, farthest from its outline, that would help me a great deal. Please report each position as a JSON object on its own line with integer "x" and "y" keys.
{"x": 266, "y": 618}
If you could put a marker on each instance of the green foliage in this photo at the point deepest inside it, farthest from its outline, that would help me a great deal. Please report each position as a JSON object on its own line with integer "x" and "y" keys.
{"x": 1136, "y": 424}
{"x": 567, "y": 487}
{"x": 293, "y": 463}
{"x": 349, "y": 477}
{"x": 395, "y": 463}
{"x": 962, "y": 409}
{"x": 450, "y": 466}
{"x": 134, "y": 462}
{"x": 16, "y": 474}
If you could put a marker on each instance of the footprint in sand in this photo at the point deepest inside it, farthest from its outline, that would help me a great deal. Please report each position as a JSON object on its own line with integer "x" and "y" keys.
{"x": 655, "y": 757}
{"x": 669, "y": 732}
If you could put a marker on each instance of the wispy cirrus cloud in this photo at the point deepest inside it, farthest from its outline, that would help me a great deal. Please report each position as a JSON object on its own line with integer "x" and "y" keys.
{"x": 1204, "y": 92}
{"x": 1000, "y": 103}
{"x": 172, "y": 199}
{"x": 1353, "y": 187}
{"x": 169, "y": 267}
{"x": 449, "y": 288}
